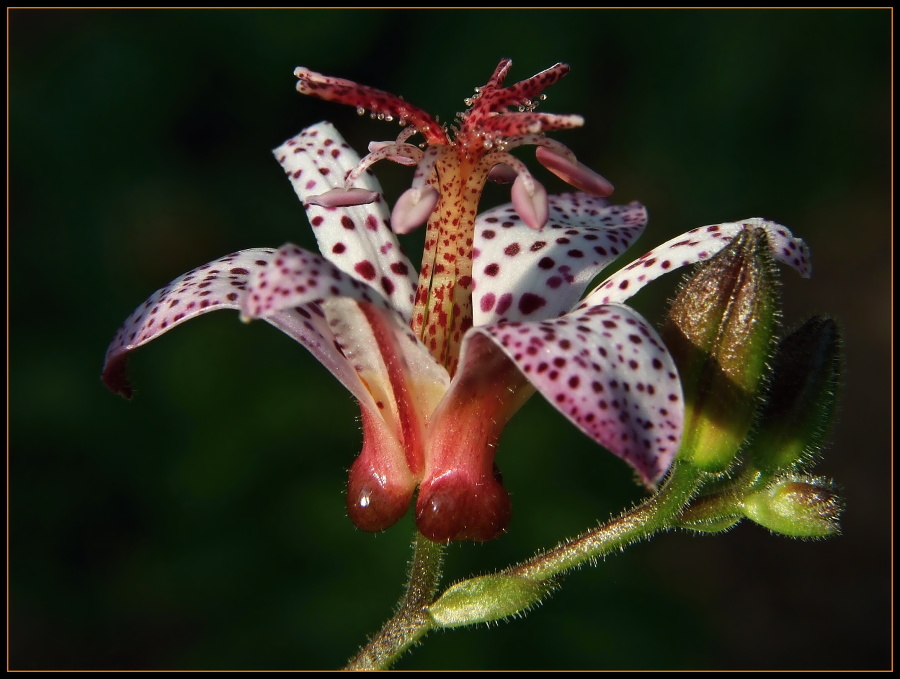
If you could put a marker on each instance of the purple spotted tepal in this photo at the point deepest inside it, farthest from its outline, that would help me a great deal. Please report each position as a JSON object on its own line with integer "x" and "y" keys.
{"x": 440, "y": 362}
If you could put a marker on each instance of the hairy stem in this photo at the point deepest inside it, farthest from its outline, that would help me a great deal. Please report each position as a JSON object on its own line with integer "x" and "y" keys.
{"x": 411, "y": 621}
{"x": 656, "y": 514}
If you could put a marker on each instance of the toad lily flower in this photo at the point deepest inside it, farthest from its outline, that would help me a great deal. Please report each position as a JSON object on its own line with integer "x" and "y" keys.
{"x": 439, "y": 363}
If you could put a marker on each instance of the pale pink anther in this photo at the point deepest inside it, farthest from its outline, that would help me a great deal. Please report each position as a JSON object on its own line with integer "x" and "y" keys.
{"x": 413, "y": 208}
{"x": 529, "y": 197}
{"x": 343, "y": 198}
{"x": 572, "y": 172}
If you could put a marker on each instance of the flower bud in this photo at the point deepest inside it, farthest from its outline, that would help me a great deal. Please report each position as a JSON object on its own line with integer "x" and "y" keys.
{"x": 719, "y": 330}
{"x": 485, "y": 599}
{"x": 799, "y": 507}
{"x": 715, "y": 513}
{"x": 801, "y": 397}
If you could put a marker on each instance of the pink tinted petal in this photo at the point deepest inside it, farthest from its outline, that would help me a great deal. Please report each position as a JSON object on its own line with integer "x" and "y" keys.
{"x": 690, "y": 248}
{"x": 221, "y": 284}
{"x": 577, "y": 174}
{"x": 380, "y": 485}
{"x": 403, "y": 379}
{"x": 355, "y": 239}
{"x": 529, "y": 198}
{"x": 413, "y": 208}
{"x": 607, "y": 371}
{"x": 461, "y": 497}
{"x": 522, "y": 274}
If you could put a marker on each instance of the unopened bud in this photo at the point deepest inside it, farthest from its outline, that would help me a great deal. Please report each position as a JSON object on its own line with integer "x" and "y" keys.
{"x": 800, "y": 401}
{"x": 799, "y": 507}
{"x": 485, "y": 599}
{"x": 719, "y": 330}
{"x": 715, "y": 513}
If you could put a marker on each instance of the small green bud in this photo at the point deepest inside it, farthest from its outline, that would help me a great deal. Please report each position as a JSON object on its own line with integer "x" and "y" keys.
{"x": 719, "y": 330}
{"x": 801, "y": 397}
{"x": 485, "y": 599}
{"x": 796, "y": 506}
{"x": 718, "y": 524}
{"x": 715, "y": 513}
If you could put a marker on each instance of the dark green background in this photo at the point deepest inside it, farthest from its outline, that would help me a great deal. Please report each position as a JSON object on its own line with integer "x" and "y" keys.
{"x": 202, "y": 525}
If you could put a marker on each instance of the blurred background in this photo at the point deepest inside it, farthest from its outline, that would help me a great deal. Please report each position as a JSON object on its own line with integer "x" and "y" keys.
{"x": 202, "y": 525}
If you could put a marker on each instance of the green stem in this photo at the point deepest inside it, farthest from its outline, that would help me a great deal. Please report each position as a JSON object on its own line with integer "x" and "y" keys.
{"x": 656, "y": 514}
{"x": 411, "y": 621}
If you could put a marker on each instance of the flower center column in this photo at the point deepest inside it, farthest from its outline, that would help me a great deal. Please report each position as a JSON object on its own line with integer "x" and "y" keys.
{"x": 443, "y": 310}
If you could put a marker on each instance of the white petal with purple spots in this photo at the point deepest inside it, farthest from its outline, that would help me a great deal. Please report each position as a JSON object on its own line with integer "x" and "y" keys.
{"x": 295, "y": 276}
{"x": 357, "y": 239}
{"x": 224, "y": 284}
{"x": 522, "y": 274}
{"x": 692, "y": 247}
{"x": 607, "y": 370}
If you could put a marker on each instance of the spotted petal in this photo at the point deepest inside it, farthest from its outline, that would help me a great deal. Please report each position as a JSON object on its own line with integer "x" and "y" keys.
{"x": 297, "y": 277}
{"x": 221, "y": 284}
{"x": 607, "y": 370}
{"x": 521, "y": 274}
{"x": 228, "y": 283}
{"x": 358, "y": 240}
{"x": 692, "y": 247}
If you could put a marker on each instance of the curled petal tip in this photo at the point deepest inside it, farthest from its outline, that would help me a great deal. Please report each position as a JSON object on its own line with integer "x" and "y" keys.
{"x": 502, "y": 174}
{"x": 375, "y": 146}
{"x": 572, "y": 172}
{"x": 529, "y": 197}
{"x": 413, "y": 208}
{"x": 343, "y": 198}
{"x": 114, "y": 377}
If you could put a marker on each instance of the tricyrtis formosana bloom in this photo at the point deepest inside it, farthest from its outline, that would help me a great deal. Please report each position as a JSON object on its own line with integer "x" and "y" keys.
{"x": 440, "y": 360}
